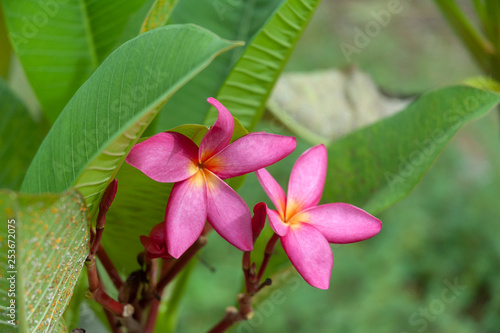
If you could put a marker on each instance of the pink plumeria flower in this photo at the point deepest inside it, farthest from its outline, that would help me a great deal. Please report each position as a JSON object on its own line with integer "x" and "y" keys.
{"x": 305, "y": 229}
{"x": 199, "y": 192}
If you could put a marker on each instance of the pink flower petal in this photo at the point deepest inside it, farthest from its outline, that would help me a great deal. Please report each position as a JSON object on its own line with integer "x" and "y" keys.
{"x": 157, "y": 234}
{"x": 307, "y": 180}
{"x": 342, "y": 223}
{"x": 153, "y": 249}
{"x": 277, "y": 224}
{"x": 166, "y": 157}
{"x": 186, "y": 214}
{"x": 310, "y": 254}
{"x": 228, "y": 213}
{"x": 273, "y": 190}
{"x": 250, "y": 153}
{"x": 219, "y": 135}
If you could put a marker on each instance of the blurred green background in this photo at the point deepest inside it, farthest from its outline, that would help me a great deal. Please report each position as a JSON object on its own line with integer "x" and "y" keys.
{"x": 435, "y": 265}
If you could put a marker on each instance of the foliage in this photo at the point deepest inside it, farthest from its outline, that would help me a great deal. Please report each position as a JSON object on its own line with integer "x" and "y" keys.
{"x": 48, "y": 234}
{"x": 109, "y": 74}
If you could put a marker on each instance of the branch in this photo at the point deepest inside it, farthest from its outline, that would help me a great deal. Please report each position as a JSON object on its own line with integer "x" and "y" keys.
{"x": 252, "y": 287}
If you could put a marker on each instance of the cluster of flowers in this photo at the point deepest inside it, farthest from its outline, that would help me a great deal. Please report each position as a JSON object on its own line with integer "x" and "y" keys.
{"x": 199, "y": 194}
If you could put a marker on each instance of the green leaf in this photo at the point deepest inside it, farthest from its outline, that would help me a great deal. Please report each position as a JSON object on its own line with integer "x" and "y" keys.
{"x": 72, "y": 312}
{"x": 61, "y": 43}
{"x": 252, "y": 79}
{"x": 140, "y": 204}
{"x": 376, "y": 166}
{"x": 50, "y": 235}
{"x": 159, "y": 14}
{"x": 106, "y": 117}
{"x": 20, "y": 137}
{"x": 236, "y": 20}
{"x": 476, "y": 44}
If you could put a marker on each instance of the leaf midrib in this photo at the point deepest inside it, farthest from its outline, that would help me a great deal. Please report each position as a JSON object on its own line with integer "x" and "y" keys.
{"x": 89, "y": 35}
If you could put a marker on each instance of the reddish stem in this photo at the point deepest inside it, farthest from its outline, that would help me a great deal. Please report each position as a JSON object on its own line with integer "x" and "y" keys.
{"x": 267, "y": 255}
{"x": 167, "y": 265}
{"x": 109, "y": 267}
{"x": 232, "y": 316}
{"x": 100, "y": 296}
{"x": 106, "y": 201}
{"x": 170, "y": 269}
{"x": 152, "y": 271}
{"x": 252, "y": 287}
{"x": 151, "y": 320}
{"x": 180, "y": 264}
{"x": 246, "y": 263}
{"x": 109, "y": 316}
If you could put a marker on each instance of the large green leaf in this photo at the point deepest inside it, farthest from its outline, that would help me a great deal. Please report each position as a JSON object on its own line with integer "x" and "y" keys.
{"x": 61, "y": 43}
{"x": 380, "y": 164}
{"x": 20, "y": 137}
{"x": 252, "y": 79}
{"x": 49, "y": 235}
{"x": 230, "y": 19}
{"x": 105, "y": 118}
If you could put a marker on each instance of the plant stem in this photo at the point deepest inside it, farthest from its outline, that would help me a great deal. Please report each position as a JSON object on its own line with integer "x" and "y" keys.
{"x": 109, "y": 267}
{"x": 97, "y": 290}
{"x": 481, "y": 50}
{"x": 101, "y": 297}
{"x": 232, "y": 316}
{"x": 252, "y": 287}
{"x": 153, "y": 313}
{"x": 170, "y": 269}
{"x": 112, "y": 319}
{"x": 180, "y": 263}
{"x": 246, "y": 269}
{"x": 267, "y": 255}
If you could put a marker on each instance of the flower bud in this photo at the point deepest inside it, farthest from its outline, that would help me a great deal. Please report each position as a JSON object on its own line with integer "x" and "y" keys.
{"x": 155, "y": 244}
{"x": 109, "y": 195}
{"x": 258, "y": 219}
